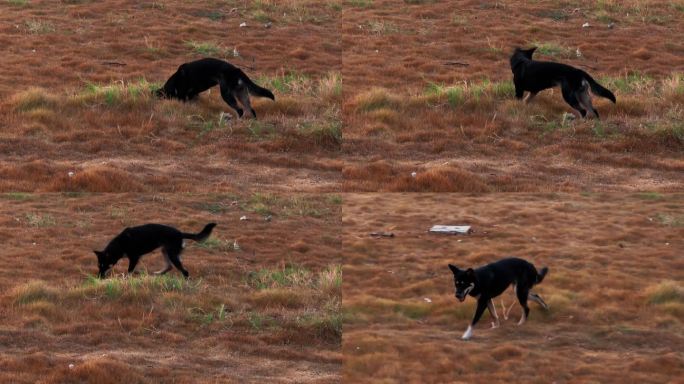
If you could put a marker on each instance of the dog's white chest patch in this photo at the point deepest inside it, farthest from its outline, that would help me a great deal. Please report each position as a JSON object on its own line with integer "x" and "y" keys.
{"x": 468, "y": 289}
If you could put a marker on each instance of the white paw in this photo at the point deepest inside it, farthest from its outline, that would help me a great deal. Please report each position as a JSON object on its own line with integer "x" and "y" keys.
{"x": 468, "y": 333}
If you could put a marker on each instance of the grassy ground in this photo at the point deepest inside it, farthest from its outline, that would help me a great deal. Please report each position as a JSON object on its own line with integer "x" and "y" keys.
{"x": 427, "y": 89}
{"x": 262, "y": 303}
{"x": 615, "y": 288}
{"x": 75, "y": 96}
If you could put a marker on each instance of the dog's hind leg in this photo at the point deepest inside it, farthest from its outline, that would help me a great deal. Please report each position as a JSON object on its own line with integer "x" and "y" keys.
{"x": 174, "y": 256}
{"x": 537, "y": 299}
{"x": 228, "y": 97}
{"x": 243, "y": 96}
{"x": 168, "y": 264}
{"x": 481, "y": 305}
{"x": 522, "y": 294}
{"x": 585, "y": 100}
{"x": 571, "y": 98}
{"x": 492, "y": 311}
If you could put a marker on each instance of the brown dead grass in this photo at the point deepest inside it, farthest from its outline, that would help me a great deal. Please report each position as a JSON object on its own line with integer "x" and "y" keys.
{"x": 436, "y": 90}
{"x": 242, "y": 316}
{"x": 614, "y": 288}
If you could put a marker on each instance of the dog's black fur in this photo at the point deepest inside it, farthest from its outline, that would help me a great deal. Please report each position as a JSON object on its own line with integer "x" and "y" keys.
{"x": 491, "y": 280}
{"x": 134, "y": 242}
{"x": 535, "y": 76}
{"x": 196, "y": 77}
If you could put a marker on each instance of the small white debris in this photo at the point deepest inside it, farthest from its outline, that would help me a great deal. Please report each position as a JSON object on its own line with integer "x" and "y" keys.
{"x": 667, "y": 243}
{"x": 578, "y": 53}
{"x": 235, "y": 52}
{"x": 243, "y": 218}
{"x": 71, "y": 174}
{"x": 585, "y": 25}
{"x": 451, "y": 229}
{"x": 236, "y": 247}
{"x": 243, "y": 24}
{"x": 268, "y": 25}
{"x": 611, "y": 25}
{"x": 268, "y": 218}
{"x": 71, "y": 366}
{"x": 427, "y": 300}
{"x": 413, "y": 174}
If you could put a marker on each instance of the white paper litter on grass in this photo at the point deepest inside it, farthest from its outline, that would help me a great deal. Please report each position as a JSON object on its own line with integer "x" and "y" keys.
{"x": 451, "y": 229}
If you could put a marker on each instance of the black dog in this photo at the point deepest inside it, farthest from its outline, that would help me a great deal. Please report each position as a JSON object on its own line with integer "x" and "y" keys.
{"x": 134, "y": 242}
{"x": 491, "y": 280}
{"x": 535, "y": 76}
{"x": 196, "y": 77}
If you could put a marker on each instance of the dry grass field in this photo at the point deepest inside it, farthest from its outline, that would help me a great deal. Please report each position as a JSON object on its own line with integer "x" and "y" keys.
{"x": 427, "y": 89}
{"x": 615, "y": 289}
{"x": 262, "y": 303}
{"x": 75, "y": 96}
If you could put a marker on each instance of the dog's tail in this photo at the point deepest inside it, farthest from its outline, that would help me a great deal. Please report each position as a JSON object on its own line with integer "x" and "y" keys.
{"x": 599, "y": 90}
{"x": 540, "y": 275}
{"x": 256, "y": 90}
{"x": 202, "y": 235}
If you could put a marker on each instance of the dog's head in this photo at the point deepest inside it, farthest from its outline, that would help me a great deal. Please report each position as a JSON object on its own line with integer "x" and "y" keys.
{"x": 464, "y": 281}
{"x": 105, "y": 262}
{"x": 176, "y": 81}
{"x": 519, "y": 55}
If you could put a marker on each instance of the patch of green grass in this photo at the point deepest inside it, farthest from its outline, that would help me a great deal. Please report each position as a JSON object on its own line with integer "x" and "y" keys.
{"x": 32, "y": 292}
{"x": 554, "y": 14}
{"x": 327, "y": 325}
{"x": 629, "y": 83}
{"x": 38, "y": 27}
{"x": 204, "y": 48}
{"x": 650, "y": 196}
{"x": 137, "y": 285}
{"x": 668, "y": 291}
{"x": 382, "y": 27}
{"x": 670, "y": 220}
{"x": 261, "y": 130}
{"x": 290, "y": 82}
{"x": 260, "y": 321}
{"x": 18, "y": 2}
{"x": 217, "y": 244}
{"x": 207, "y": 317}
{"x": 552, "y": 49}
{"x": 38, "y": 220}
{"x": 290, "y": 275}
{"x": 206, "y": 126}
{"x": 215, "y": 208}
{"x": 18, "y": 196}
{"x": 334, "y": 199}
{"x": 360, "y": 3}
{"x": 324, "y": 133}
{"x": 117, "y": 93}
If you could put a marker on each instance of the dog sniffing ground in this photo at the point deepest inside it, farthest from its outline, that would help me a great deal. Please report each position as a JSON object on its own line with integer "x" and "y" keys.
{"x": 77, "y": 111}
{"x": 615, "y": 289}
{"x": 262, "y": 303}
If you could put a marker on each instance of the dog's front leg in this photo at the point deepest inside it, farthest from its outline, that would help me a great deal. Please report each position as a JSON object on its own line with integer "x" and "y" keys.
{"x": 481, "y": 305}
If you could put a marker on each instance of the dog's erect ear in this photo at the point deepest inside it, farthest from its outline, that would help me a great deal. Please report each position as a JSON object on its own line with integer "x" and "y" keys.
{"x": 454, "y": 268}
{"x": 530, "y": 51}
{"x": 99, "y": 254}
